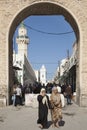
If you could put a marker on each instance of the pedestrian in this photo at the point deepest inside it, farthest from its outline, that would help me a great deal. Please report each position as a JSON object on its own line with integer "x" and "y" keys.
{"x": 43, "y": 101}
{"x": 68, "y": 92}
{"x": 27, "y": 89}
{"x": 56, "y": 111}
{"x": 18, "y": 96}
{"x": 14, "y": 95}
{"x": 59, "y": 88}
{"x": 30, "y": 86}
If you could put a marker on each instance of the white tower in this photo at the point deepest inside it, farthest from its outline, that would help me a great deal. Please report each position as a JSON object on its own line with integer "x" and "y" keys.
{"x": 22, "y": 40}
{"x": 43, "y": 75}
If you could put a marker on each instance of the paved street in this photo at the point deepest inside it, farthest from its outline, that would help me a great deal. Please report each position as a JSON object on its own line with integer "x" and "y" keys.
{"x": 24, "y": 118}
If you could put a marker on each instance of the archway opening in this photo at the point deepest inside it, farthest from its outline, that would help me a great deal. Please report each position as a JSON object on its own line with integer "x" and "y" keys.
{"x": 43, "y": 8}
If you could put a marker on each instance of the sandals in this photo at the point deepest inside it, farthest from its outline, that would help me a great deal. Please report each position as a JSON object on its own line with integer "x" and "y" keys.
{"x": 40, "y": 126}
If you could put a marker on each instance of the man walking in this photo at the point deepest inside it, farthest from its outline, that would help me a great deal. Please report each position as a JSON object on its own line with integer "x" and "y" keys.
{"x": 18, "y": 96}
{"x": 68, "y": 94}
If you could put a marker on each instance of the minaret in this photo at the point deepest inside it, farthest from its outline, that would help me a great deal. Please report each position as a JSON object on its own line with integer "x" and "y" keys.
{"x": 22, "y": 40}
{"x": 43, "y": 75}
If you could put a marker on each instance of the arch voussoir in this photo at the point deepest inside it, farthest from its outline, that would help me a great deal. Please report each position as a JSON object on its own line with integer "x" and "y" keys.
{"x": 12, "y": 13}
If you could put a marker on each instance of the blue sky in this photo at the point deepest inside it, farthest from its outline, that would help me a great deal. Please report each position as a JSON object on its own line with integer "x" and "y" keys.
{"x": 44, "y": 48}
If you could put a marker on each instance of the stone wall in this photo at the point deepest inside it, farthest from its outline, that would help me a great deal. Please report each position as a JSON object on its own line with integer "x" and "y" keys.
{"x": 13, "y": 12}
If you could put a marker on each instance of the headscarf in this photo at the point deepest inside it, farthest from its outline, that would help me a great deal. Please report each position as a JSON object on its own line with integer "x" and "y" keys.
{"x": 43, "y": 89}
{"x": 44, "y": 100}
{"x": 54, "y": 88}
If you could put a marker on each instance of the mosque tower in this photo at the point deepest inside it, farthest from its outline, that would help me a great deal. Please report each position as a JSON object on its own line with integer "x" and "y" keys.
{"x": 22, "y": 40}
{"x": 43, "y": 75}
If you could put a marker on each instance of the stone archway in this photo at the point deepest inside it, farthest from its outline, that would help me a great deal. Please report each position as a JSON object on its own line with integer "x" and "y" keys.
{"x": 21, "y": 9}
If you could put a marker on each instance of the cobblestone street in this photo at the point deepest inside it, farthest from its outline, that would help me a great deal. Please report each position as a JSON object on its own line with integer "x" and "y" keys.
{"x": 25, "y": 118}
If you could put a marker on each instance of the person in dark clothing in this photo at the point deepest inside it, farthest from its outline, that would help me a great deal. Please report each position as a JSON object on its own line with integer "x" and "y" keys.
{"x": 68, "y": 94}
{"x": 27, "y": 90}
{"x": 30, "y": 86}
{"x": 43, "y": 100}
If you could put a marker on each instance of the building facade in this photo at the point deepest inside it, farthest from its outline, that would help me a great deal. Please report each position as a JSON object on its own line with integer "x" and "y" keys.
{"x": 37, "y": 73}
{"x": 25, "y": 73}
{"x": 67, "y": 69}
{"x": 43, "y": 75}
{"x": 11, "y": 15}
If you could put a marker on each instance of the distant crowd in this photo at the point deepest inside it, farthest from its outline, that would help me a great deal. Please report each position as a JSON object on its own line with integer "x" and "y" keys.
{"x": 19, "y": 91}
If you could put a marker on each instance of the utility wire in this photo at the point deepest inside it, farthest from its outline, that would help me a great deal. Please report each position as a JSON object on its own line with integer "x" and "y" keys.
{"x": 49, "y": 33}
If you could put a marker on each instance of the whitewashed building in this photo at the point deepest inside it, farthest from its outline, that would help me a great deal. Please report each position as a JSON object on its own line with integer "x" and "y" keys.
{"x": 62, "y": 66}
{"x": 43, "y": 75}
{"x": 37, "y": 73}
{"x": 25, "y": 74}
